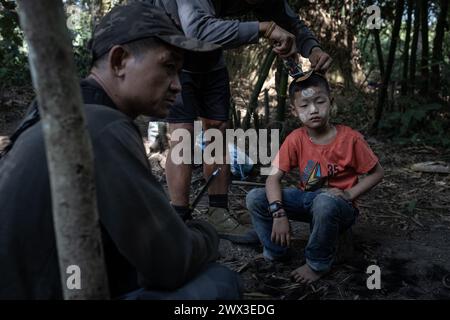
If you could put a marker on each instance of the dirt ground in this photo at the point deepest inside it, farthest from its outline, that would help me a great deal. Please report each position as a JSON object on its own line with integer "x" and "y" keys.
{"x": 404, "y": 228}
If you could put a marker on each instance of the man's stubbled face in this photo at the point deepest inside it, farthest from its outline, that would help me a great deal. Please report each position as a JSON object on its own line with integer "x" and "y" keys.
{"x": 152, "y": 81}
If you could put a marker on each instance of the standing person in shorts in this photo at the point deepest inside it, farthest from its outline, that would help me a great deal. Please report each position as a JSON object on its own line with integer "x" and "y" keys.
{"x": 206, "y": 89}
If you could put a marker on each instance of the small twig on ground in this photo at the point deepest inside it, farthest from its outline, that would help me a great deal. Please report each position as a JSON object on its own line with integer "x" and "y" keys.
{"x": 243, "y": 267}
{"x": 247, "y": 183}
{"x": 257, "y": 295}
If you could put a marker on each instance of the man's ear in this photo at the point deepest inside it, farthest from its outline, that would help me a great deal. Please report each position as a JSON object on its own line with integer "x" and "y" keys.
{"x": 118, "y": 57}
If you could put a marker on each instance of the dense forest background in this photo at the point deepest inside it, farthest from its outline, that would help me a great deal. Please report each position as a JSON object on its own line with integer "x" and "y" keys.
{"x": 390, "y": 79}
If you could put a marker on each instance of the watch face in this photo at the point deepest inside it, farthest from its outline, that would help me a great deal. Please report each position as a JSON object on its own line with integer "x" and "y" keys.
{"x": 274, "y": 207}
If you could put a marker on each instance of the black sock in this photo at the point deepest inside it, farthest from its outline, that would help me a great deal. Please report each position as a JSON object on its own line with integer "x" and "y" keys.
{"x": 183, "y": 211}
{"x": 218, "y": 200}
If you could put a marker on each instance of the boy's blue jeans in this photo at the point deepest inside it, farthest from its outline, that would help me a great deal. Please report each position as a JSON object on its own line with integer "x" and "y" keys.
{"x": 327, "y": 214}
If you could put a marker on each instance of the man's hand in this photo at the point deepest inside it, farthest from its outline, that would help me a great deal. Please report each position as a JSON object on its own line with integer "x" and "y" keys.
{"x": 283, "y": 41}
{"x": 320, "y": 60}
{"x": 344, "y": 194}
{"x": 4, "y": 141}
{"x": 281, "y": 231}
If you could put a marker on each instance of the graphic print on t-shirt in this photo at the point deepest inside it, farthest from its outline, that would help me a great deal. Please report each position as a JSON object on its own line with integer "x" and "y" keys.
{"x": 312, "y": 176}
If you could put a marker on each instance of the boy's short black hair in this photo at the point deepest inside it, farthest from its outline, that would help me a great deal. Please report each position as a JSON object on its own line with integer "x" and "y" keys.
{"x": 314, "y": 80}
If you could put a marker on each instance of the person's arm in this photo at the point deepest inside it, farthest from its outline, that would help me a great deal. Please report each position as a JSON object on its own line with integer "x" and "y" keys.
{"x": 281, "y": 231}
{"x": 373, "y": 178}
{"x": 307, "y": 44}
{"x": 137, "y": 215}
{"x": 273, "y": 186}
{"x": 198, "y": 21}
{"x": 285, "y": 160}
{"x": 364, "y": 185}
{"x": 283, "y": 41}
{"x": 363, "y": 161}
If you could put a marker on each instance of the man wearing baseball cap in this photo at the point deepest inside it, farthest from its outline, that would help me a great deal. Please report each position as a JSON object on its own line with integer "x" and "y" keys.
{"x": 150, "y": 252}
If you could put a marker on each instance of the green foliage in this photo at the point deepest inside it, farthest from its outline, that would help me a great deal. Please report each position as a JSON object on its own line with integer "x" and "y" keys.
{"x": 14, "y": 69}
{"x": 420, "y": 123}
{"x": 13, "y": 60}
{"x": 79, "y": 22}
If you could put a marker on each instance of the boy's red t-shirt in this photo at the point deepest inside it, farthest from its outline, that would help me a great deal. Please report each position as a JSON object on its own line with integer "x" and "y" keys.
{"x": 335, "y": 165}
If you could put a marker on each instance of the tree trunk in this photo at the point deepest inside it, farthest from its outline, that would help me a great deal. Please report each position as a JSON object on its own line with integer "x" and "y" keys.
{"x": 234, "y": 114}
{"x": 262, "y": 76}
{"x": 404, "y": 89}
{"x": 424, "y": 70}
{"x": 266, "y": 107}
{"x": 390, "y": 63}
{"x": 414, "y": 44}
{"x": 376, "y": 36}
{"x": 438, "y": 58}
{"x": 69, "y": 151}
{"x": 281, "y": 90}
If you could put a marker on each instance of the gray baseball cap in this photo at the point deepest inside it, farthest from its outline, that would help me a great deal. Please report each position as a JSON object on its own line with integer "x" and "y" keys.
{"x": 139, "y": 20}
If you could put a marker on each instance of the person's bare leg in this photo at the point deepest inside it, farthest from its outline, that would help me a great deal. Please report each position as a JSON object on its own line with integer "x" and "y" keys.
{"x": 218, "y": 214}
{"x": 221, "y": 182}
{"x": 306, "y": 275}
{"x": 179, "y": 175}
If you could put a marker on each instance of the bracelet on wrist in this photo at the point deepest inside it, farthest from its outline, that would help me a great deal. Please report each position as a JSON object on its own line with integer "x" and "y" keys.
{"x": 279, "y": 214}
{"x": 270, "y": 29}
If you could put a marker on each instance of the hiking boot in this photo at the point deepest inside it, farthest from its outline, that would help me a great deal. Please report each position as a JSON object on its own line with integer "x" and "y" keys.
{"x": 229, "y": 228}
{"x": 245, "y": 219}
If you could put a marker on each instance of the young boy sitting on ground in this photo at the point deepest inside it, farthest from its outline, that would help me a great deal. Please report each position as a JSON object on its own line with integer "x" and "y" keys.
{"x": 330, "y": 158}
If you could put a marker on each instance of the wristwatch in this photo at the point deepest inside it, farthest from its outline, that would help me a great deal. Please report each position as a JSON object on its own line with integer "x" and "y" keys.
{"x": 275, "y": 206}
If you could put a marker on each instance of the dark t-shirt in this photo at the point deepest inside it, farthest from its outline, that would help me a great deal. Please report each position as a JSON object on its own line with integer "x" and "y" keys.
{"x": 145, "y": 242}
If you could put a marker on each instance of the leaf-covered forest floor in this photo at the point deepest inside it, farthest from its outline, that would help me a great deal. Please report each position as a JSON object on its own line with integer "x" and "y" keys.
{"x": 403, "y": 227}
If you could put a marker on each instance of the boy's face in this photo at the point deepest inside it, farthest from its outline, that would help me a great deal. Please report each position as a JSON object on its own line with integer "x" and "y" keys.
{"x": 312, "y": 106}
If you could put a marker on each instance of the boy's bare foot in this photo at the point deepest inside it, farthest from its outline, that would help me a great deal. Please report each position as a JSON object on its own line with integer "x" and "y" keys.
{"x": 306, "y": 275}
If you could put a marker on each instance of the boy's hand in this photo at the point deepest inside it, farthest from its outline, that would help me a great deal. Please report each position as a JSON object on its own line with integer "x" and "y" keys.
{"x": 340, "y": 193}
{"x": 320, "y": 60}
{"x": 281, "y": 231}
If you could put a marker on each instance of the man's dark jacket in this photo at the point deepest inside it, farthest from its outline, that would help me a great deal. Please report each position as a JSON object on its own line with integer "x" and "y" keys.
{"x": 146, "y": 244}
